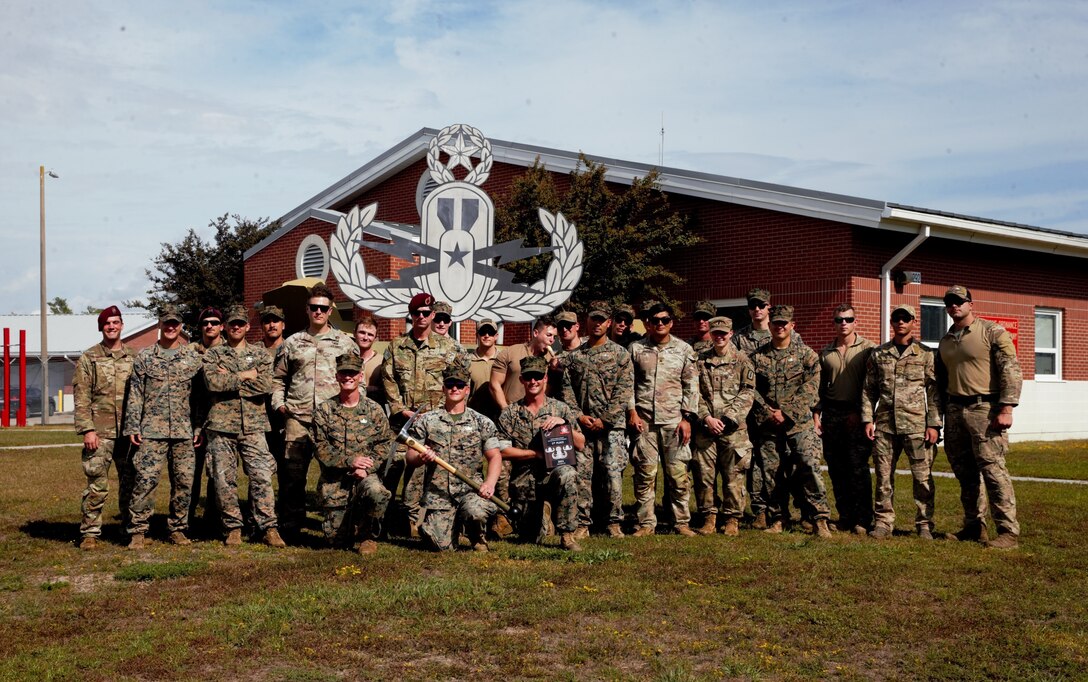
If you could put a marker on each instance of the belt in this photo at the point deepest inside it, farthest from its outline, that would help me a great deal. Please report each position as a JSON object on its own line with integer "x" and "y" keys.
{"x": 845, "y": 405}
{"x": 967, "y": 400}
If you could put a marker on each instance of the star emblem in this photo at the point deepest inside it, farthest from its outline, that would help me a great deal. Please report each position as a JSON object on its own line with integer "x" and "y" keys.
{"x": 457, "y": 256}
{"x": 460, "y": 152}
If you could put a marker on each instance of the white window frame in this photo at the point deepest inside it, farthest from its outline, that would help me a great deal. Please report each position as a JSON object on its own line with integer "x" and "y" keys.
{"x": 1056, "y": 350}
{"x": 937, "y": 303}
{"x": 300, "y": 256}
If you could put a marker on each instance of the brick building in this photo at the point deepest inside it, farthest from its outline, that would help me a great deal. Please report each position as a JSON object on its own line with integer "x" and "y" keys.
{"x": 813, "y": 250}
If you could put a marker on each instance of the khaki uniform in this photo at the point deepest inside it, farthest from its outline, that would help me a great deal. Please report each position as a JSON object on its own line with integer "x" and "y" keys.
{"x": 479, "y": 370}
{"x": 901, "y": 402}
{"x": 846, "y": 448}
{"x": 100, "y": 388}
{"x": 978, "y": 372}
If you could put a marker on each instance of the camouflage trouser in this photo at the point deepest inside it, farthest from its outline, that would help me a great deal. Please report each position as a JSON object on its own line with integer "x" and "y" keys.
{"x": 661, "y": 443}
{"x": 96, "y": 467}
{"x": 792, "y": 462}
{"x": 297, "y": 455}
{"x": 728, "y": 455}
{"x": 847, "y": 451}
{"x": 413, "y": 486}
{"x": 608, "y": 453}
{"x": 560, "y": 486}
{"x": 224, "y": 451}
{"x": 974, "y": 448}
{"x": 277, "y": 447}
{"x": 472, "y": 511}
{"x": 347, "y": 502}
{"x": 757, "y": 497}
{"x": 886, "y": 450}
{"x": 148, "y": 461}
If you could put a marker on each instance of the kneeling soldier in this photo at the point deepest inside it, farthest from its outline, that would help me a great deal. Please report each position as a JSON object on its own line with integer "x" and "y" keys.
{"x": 462, "y": 437}
{"x": 351, "y": 492}
{"x": 531, "y": 483}
{"x": 727, "y": 387}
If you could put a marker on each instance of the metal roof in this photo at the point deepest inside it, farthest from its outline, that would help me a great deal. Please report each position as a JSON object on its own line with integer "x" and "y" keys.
{"x": 69, "y": 334}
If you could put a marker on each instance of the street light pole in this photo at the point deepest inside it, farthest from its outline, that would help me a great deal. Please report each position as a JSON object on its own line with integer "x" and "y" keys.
{"x": 44, "y": 308}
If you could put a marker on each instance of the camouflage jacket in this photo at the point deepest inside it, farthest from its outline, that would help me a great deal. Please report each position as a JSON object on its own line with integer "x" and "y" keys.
{"x": 787, "y": 379}
{"x": 412, "y": 373}
{"x": 600, "y": 382}
{"x": 900, "y": 394}
{"x": 666, "y": 381}
{"x": 200, "y": 400}
{"x": 979, "y": 360}
{"x": 727, "y": 386}
{"x": 304, "y": 375}
{"x": 700, "y": 345}
{"x": 343, "y": 433}
{"x": 237, "y": 406}
{"x": 158, "y": 403}
{"x": 460, "y": 442}
{"x": 749, "y": 339}
{"x": 521, "y": 428}
{"x": 100, "y": 387}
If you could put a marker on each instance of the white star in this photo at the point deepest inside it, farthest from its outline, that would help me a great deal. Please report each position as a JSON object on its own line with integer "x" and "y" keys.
{"x": 460, "y": 152}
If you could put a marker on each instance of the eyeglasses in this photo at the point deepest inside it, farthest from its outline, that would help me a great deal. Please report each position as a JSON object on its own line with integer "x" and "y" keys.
{"x": 660, "y": 321}
{"x": 315, "y": 308}
{"x": 421, "y": 312}
{"x": 949, "y": 302}
{"x": 902, "y": 318}
{"x": 757, "y": 306}
{"x": 442, "y": 319}
{"x": 532, "y": 376}
{"x": 454, "y": 384}
{"x": 702, "y": 317}
{"x": 847, "y": 320}
{"x": 210, "y": 323}
{"x": 565, "y": 326}
{"x": 486, "y": 331}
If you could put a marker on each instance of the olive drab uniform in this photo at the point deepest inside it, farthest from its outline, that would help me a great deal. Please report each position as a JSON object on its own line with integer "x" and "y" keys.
{"x": 788, "y": 379}
{"x": 303, "y": 377}
{"x": 236, "y": 425}
{"x": 159, "y": 411}
{"x": 461, "y": 440}
{"x": 600, "y": 383}
{"x": 531, "y": 484}
{"x": 726, "y": 391}
{"x": 900, "y": 400}
{"x": 978, "y": 372}
{"x": 100, "y": 388}
{"x": 342, "y": 433}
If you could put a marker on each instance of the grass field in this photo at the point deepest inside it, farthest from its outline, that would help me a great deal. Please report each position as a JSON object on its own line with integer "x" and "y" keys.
{"x": 667, "y": 608}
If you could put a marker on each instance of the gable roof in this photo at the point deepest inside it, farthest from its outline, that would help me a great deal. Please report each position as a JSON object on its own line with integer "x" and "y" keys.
{"x": 841, "y": 208}
{"x": 69, "y": 334}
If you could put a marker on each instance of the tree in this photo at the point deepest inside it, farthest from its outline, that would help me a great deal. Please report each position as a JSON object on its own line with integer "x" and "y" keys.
{"x": 194, "y": 274}
{"x": 629, "y": 235}
{"x": 59, "y": 306}
{"x": 92, "y": 310}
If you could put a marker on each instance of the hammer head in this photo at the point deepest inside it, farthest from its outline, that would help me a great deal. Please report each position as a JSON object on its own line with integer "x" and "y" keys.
{"x": 408, "y": 424}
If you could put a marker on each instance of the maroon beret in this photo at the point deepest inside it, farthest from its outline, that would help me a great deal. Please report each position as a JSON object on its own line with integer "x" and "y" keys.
{"x": 112, "y": 311}
{"x": 210, "y": 312}
{"x": 420, "y": 300}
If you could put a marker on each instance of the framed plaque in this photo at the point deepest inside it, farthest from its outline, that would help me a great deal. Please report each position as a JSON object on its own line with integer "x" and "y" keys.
{"x": 558, "y": 446}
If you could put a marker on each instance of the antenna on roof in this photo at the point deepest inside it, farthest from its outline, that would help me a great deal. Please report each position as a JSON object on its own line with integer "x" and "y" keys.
{"x": 661, "y": 146}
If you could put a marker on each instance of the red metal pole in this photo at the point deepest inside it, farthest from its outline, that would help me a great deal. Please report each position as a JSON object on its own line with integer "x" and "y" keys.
{"x": 20, "y": 419}
{"x": 5, "y": 418}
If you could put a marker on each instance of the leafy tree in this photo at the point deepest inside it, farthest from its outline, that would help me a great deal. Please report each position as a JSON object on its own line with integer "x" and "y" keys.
{"x": 59, "y": 306}
{"x": 92, "y": 310}
{"x": 195, "y": 273}
{"x": 629, "y": 234}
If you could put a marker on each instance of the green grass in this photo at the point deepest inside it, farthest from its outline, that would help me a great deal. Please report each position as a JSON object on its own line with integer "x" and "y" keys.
{"x": 38, "y": 435}
{"x": 786, "y": 607}
{"x": 1043, "y": 459}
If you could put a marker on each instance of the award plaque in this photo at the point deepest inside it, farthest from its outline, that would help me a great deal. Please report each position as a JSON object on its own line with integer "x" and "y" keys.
{"x": 558, "y": 446}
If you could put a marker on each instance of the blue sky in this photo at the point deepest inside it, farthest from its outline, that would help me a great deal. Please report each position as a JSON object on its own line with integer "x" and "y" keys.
{"x": 160, "y": 116}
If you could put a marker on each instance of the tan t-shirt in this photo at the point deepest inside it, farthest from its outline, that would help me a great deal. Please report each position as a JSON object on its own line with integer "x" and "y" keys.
{"x": 508, "y": 365}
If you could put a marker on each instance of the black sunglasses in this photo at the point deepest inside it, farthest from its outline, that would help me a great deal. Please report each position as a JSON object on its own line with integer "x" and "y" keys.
{"x": 316, "y": 308}
{"x": 532, "y": 376}
{"x": 210, "y": 323}
{"x": 563, "y": 326}
{"x": 702, "y": 317}
{"x": 454, "y": 383}
{"x": 757, "y": 306}
{"x": 660, "y": 320}
{"x": 954, "y": 301}
{"x": 421, "y": 312}
{"x": 901, "y": 318}
{"x": 840, "y": 320}
{"x": 443, "y": 319}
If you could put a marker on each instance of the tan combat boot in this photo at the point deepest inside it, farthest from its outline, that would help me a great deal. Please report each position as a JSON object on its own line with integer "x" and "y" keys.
{"x": 500, "y": 526}
{"x": 760, "y": 521}
{"x": 732, "y": 527}
{"x": 1003, "y": 541}
{"x": 568, "y": 542}
{"x": 136, "y": 541}
{"x": 368, "y": 547}
{"x": 234, "y": 538}
{"x": 643, "y": 531}
{"x": 710, "y": 524}
{"x": 272, "y": 538}
{"x": 685, "y": 530}
{"x": 615, "y": 531}
{"x": 881, "y": 533}
{"x": 178, "y": 538}
{"x": 88, "y": 543}
{"x": 973, "y": 532}
{"x": 582, "y": 533}
{"x": 774, "y": 529}
{"x": 822, "y": 530}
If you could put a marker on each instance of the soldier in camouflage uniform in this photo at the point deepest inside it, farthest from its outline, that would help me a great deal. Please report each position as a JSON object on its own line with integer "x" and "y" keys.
{"x": 530, "y": 482}
{"x": 303, "y": 377}
{"x": 210, "y": 325}
{"x": 598, "y": 385}
{"x": 666, "y": 402}
{"x": 787, "y": 389}
{"x": 158, "y": 421}
{"x": 704, "y": 310}
{"x": 623, "y": 316}
{"x": 727, "y": 384}
{"x": 846, "y": 448}
{"x": 443, "y": 319}
{"x": 351, "y": 433}
{"x": 462, "y": 437}
{"x": 239, "y": 379}
{"x": 412, "y": 378}
{"x": 980, "y": 382}
{"x": 100, "y": 387}
{"x": 899, "y": 410}
{"x": 272, "y": 323}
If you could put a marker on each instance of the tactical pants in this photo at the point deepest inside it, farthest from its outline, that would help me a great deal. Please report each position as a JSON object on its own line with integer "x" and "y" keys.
{"x": 728, "y": 455}
{"x": 348, "y": 501}
{"x": 757, "y": 497}
{"x": 96, "y": 467}
{"x": 277, "y": 447}
{"x": 607, "y": 450}
{"x": 224, "y": 451}
{"x": 886, "y": 450}
{"x": 412, "y": 491}
{"x": 560, "y": 486}
{"x": 847, "y": 451}
{"x": 472, "y": 512}
{"x": 297, "y": 455}
{"x": 661, "y": 443}
{"x": 792, "y": 462}
{"x": 148, "y": 461}
{"x": 973, "y": 448}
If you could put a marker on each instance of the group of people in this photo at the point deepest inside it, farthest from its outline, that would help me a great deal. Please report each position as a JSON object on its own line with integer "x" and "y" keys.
{"x": 756, "y": 409}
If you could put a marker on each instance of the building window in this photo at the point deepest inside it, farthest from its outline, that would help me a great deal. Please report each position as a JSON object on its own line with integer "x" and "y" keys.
{"x": 736, "y": 309}
{"x": 312, "y": 259}
{"x": 1048, "y": 344}
{"x": 934, "y": 323}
